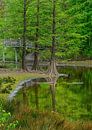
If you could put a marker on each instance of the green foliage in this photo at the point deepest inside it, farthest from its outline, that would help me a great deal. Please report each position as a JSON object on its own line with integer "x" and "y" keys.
{"x": 72, "y": 95}
{"x": 4, "y": 120}
{"x": 6, "y": 84}
{"x": 73, "y": 25}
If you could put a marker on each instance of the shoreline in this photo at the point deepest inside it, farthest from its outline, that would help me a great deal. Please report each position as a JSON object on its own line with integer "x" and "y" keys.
{"x": 86, "y": 63}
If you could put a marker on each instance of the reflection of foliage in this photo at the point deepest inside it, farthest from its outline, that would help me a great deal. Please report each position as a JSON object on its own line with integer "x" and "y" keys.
{"x": 71, "y": 99}
{"x": 68, "y": 102}
{"x": 87, "y": 77}
{"x": 87, "y": 93}
{"x": 75, "y": 101}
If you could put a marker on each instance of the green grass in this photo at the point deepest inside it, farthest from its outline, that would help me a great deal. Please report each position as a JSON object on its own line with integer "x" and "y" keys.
{"x": 19, "y": 76}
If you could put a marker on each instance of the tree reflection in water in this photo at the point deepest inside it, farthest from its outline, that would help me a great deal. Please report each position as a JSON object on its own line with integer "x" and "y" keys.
{"x": 69, "y": 96}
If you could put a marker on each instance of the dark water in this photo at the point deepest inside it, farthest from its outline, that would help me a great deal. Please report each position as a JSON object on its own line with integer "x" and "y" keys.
{"x": 70, "y": 96}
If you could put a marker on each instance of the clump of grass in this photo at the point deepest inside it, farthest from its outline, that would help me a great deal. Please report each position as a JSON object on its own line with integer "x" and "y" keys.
{"x": 29, "y": 119}
{"x": 36, "y": 120}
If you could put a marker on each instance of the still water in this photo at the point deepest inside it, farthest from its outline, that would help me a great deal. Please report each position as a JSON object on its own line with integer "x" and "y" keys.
{"x": 70, "y": 96}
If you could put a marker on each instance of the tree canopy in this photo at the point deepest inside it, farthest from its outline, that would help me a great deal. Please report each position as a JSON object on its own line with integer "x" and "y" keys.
{"x": 73, "y": 25}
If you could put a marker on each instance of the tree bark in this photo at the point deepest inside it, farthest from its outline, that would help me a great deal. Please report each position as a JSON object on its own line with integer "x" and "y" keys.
{"x": 53, "y": 31}
{"x": 52, "y": 68}
{"x": 24, "y": 37}
{"x": 36, "y": 53}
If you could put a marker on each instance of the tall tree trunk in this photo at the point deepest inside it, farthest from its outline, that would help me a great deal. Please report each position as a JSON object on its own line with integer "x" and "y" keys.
{"x": 53, "y": 31}
{"x": 52, "y": 68}
{"x": 24, "y": 37}
{"x": 35, "y": 64}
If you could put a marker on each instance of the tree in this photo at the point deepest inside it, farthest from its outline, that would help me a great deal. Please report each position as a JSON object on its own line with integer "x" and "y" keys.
{"x": 2, "y": 14}
{"x": 16, "y": 24}
{"x": 77, "y": 29}
{"x": 61, "y": 28}
{"x": 24, "y": 36}
{"x": 35, "y": 64}
{"x": 52, "y": 69}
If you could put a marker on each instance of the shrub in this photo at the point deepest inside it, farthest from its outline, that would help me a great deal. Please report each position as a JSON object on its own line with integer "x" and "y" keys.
{"x": 5, "y": 118}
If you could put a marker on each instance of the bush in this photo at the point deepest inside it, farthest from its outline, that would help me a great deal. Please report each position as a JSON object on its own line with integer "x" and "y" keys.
{"x": 6, "y": 84}
{"x": 5, "y": 120}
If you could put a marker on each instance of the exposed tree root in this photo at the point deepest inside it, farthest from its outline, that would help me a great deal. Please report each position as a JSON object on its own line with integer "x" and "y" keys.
{"x": 52, "y": 70}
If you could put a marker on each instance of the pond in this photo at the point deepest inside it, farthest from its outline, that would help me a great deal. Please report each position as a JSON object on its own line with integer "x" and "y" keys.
{"x": 70, "y": 96}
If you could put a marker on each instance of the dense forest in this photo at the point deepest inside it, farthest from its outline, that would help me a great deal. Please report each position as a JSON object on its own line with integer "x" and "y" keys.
{"x": 66, "y": 23}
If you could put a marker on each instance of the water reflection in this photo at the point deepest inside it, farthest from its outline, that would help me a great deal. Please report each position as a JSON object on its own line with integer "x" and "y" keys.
{"x": 71, "y": 96}
{"x": 39, "y": 95}
{"x": 53, "y": 91}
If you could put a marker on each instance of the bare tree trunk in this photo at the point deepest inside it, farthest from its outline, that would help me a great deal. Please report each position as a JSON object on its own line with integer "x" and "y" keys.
{"x": 52, "y": 68}
{"x": 53, "y": 31}
{"x": 35, "y": 64}
{"x": 24, "y": 37}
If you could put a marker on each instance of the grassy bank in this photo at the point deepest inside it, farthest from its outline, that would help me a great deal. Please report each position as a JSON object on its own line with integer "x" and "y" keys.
{"x": 28, "y": 119}
{"x": 35, "y": 120}
{"x": 17, "y": 76}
